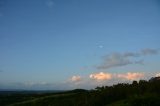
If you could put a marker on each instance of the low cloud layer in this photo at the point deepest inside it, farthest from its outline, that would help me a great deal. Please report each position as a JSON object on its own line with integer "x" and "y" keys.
{"x": 90, "y": 82}
{"x": 123, "y": 59}
{"x": 125, "y": 76}
{"x": 106, "y": 79}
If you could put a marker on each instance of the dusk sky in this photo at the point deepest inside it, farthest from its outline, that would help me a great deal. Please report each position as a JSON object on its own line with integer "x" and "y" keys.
{"x": 67, "y": 44}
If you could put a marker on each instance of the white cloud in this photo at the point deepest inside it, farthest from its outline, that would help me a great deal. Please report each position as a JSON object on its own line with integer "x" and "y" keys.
{"x": 76, "y": 78}
{"x": 158, "y": 75}
{"x": 101, "y": 76}
{"x": 131, "y": 76}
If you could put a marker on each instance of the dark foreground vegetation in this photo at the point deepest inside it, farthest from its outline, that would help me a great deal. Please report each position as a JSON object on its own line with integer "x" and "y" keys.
{"x": 142, "y": 93}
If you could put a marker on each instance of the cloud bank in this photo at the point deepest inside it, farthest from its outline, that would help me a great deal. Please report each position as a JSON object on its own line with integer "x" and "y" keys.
{"x": 108, "y": 76}
{"x": 105, "y": 79}
{"x": 89, "y": 82}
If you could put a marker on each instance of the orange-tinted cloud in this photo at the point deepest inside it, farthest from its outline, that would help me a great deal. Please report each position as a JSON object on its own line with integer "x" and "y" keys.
{"x": 131, "y": 76}
{"x": 101, "y": 76}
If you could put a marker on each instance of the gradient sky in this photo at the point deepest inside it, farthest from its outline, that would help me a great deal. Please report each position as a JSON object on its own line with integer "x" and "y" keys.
{"x": 62, "y": 44}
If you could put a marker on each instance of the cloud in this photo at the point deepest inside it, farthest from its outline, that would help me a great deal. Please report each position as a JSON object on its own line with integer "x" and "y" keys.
{"x": 76, "y": 78}
{"x": 123, "y": 59}
{"x": 88, "y": 82}
{"x": 43, "y": 83}
{"x": 114, "y": 60}
{"x": 149, "y": 51}
{"x": 143, "y": 52}
{"x": 139, "y": 62}
{"x": 131, "y": 54}
{"x": 50, "y": 3}
{"x": 101, "y": 76}
{"x": 108, "y": 79}
{"x": 157, "y": 75}
{"x": 131, "y": 76}
{"x": 108, "y": 76}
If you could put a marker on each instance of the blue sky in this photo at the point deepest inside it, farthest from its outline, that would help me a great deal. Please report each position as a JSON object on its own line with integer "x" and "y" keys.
{"x": 53, "y": 44}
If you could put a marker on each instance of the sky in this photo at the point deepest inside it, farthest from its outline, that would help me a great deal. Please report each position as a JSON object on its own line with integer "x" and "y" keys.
{"x": 68, "y": 44}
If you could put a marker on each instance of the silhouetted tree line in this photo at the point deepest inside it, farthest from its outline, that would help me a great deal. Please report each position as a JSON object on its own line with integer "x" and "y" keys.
{"x": 146, "y": 93}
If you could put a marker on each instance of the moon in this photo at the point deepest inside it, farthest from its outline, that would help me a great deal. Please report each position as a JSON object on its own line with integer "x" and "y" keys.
{"x": 100, "y": 46}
